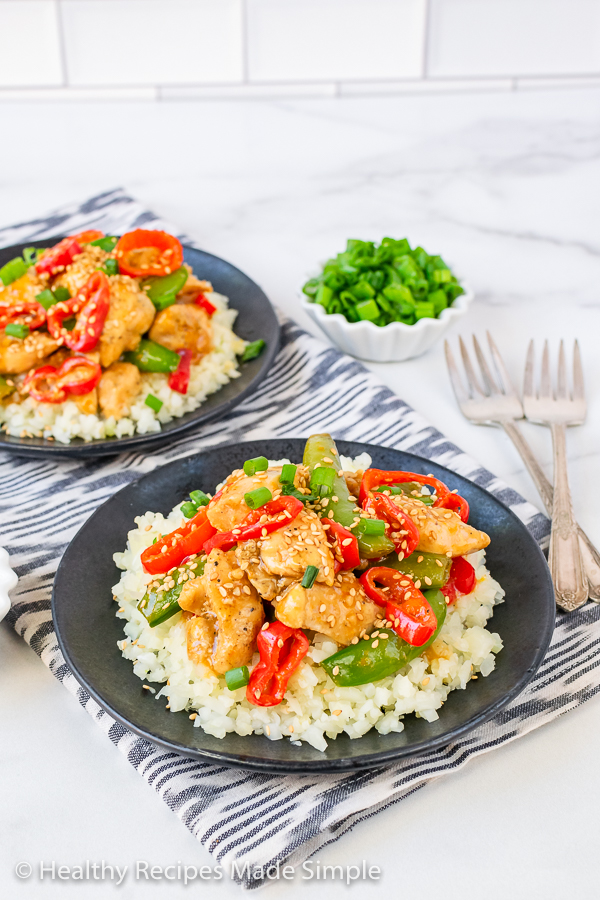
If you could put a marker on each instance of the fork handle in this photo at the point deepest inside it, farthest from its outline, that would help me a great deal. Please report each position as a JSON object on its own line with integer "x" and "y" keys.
{"x": 589, "y": 554}
{"x": 564, "y": 557}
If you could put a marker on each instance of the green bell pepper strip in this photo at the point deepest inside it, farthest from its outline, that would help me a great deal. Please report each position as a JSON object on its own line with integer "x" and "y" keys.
{"x": 363, "y": 663}
{"x": 152, "y": 357}
{"x": 5, "y": 388}
{"x": 320, "y": 450}
{"x": 163, "y": 291}
{"x": 432, "y": 566}
{"x": 158, "y": 606}
{"x": 252, "y": 350}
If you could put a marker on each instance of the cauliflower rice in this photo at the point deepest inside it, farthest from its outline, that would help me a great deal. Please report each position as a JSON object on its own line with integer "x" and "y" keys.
{"x": 64, "y": 421}
{"x": 313, "y": 709}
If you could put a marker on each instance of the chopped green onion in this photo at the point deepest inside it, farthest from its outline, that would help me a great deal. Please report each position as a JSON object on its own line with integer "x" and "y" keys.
{"x": 288, "y": 490}
{"x": 70, "y": 324}
{"x": 309, "y": 577}
{"x": 111, "y": 267}
{"x": 258, "y": 497}
{"x": 16, "y": 330}
{"x": 62, "y": 294}
{"x": 199, "y": 498}
{"x": 258, "y": 464}
{"x": 107, "y": 243}
{"x": 424, "y": 311}
{"x": 368, "y": 310}
{"x": 253, "y": 349}
{"x": 46, "y": 298}
{"x": 373, "y": 527}
{"x": 321, "y": 481}
{"x": 13, "y": 269}
{"x": 237, "y": 678}
{"x": 288, "y": 473}
{"x": 32, "y": 254}
{"x": 188, "y": 509}
{"x": 153, "y": 402}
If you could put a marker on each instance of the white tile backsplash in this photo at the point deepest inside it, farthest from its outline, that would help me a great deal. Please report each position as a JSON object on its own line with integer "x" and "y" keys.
{"x": 30, "y": 54}
{"x": 513, "y": 37}
{"x": 131, "y": 42}
{"x": 300, "y": 40}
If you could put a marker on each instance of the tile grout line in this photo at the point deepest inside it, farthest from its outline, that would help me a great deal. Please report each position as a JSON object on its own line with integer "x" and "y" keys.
{"x": 61, "y": 43}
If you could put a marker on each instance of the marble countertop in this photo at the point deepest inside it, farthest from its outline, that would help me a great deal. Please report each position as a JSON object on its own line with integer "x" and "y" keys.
{"x": 506, "y": 187}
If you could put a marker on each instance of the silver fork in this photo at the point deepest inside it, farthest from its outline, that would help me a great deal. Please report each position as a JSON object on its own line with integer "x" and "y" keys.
{"x": 497, "y": 403}
{"x": 559, "y": 410}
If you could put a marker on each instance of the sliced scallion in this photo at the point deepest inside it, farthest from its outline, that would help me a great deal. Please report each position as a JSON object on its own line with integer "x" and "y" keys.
{"x": 188, "y": 510}
{"x": 321, "y": 481}
{"x": 153, "y": 402}
{"x": 253, "y": 349}
{"x": 16, "y": 330}
{"x": 258, "y": 497}
{"x": 237, "y": 678}
{"x": 372, "y": 527}
{"x": 199, "y": 498}
{"x": 310, "y": 574}
{"x": 258, "y": 464}
{"x": 288, "y": 473}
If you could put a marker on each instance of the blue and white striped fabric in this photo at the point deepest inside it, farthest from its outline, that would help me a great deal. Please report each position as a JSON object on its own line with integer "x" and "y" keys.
{"x": 259, "y": 819}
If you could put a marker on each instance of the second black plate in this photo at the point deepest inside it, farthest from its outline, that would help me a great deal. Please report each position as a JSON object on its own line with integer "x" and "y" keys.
{"x": 88, "y": 629}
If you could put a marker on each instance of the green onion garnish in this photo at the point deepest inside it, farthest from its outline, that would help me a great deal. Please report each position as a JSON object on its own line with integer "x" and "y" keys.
{"x": 321, "y": 481}
{"x": 61, "y": 294}
{"x": 288, "y": 473}
{"x": 188, "y": 509}
{"x": 368, "y": 310}
{"x": 258, "y": 464}
{"x": 46, "y": 298}
{"x": 199, "y": 498}
{"x": 13, "y": 269}
{"x": 253, "y": 349}
{"x": 111, "y": 267}
{"x": 107, "y": 243}
{"x": 153, "y": 402}
{"x": 237, "y": 678}
{"x": 16, "y": 330}
{"x": 258, "y": 497}
{"x": 373, "y": 527}
{"x": 310, "y": 574}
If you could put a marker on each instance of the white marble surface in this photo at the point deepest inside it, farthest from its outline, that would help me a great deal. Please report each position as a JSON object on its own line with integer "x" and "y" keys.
{"x": 507, "y": 187}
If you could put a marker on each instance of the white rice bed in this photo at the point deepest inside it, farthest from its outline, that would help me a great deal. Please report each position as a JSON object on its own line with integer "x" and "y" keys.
{"x": 64, "y": 421}
{"x": 313, "y": 709}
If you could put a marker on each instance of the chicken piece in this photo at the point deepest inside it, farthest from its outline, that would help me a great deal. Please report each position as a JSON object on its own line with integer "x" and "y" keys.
{"x": 193, "y": 596}
{"x": 81, "y": 269}
{"x": 18, "y": 355}
{"x": 193, "y": 287}
{"x": 268, "y": 585}
{"x": 86, "y": 403}
{"x": 200, "y": 638}
{"x": 289, "y": 550}
{"x": 230, "y": 509}
{"x": 441, "y": 530}
{"x": 118, "y": 387}
{"x": 23, "y": 289}
{"x": 236, "y": 609}
{"x": 341, "y": 611}
{"x": 131, "y": 314}
{"x": 353, "y": 480}
{"x": 183, "y": 326}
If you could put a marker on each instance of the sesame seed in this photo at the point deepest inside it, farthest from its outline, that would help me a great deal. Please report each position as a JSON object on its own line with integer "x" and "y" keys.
{"x": 354, "y": 640}
{"x": 335, "y": 670}
{"x": 439, "y": 563}
{"x": 375, "y": 644}
{"x": 419, "y": 559}
{"x": 425, "y": 681}
{"x": 193, "y": 716}
{"x": 322, "y": 608}
{"x": 337, "y": 712}
{"x": 326, "y": 459}
{"x": 427, "y": 580}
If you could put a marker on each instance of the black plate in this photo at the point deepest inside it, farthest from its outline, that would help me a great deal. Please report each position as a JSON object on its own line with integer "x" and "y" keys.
{"x": 256, "y": 319}
{"x": 88, "y": 630}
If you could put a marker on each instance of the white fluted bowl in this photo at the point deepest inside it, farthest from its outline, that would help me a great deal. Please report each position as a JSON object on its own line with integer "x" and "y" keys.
{"x": 8, "y": 581}
{"x": 390, "y": 343}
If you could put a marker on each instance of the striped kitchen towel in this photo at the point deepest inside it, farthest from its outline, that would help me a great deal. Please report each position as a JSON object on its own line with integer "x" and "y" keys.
{"x": 259, "y": 819}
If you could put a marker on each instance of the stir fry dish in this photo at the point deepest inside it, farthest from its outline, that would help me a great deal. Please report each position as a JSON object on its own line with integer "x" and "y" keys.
{"x": 305, "y": 599}
{"x": 104, "y": 336}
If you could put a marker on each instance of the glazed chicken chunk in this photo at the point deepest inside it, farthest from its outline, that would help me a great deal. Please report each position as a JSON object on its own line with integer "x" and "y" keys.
{"x": 268, "y": 585}
{"x": 118, "y": 387}
{"x": 233, "y": 609}
{"x": 289, "y": 550}
{"x": 18, "y": 355}
{"x": 441, "y": 530}
{"x": 230, "y": 509}
{"x": 183, "y": 327}
{"x": 130, "y": 315}
{"x": 341, "y": 611}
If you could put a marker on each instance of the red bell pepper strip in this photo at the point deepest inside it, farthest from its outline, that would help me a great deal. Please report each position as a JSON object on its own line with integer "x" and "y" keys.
{"x": 407, "y": 609}
{"x": 28, "y": 312}
{"x": 345, "y": 545}
{"x": 57, "y": 258}
{"x": 402, "y": 530}
{"x": 42, "y": 384}
{"x": 179, "y": 380}
{"x": 462, "y": 579}
{"x": 284, "y": 509}
{"x": 142, "y": 253}
{"x": 445, "y": 498}
{"x": 90, "y": 304}
{"x": 86, "y": 237}
{"x": 176, "y": 546}
{"x": 204, "y": 303}
{"x": 281, "y": 649}
{"x": 77, "y": 375}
